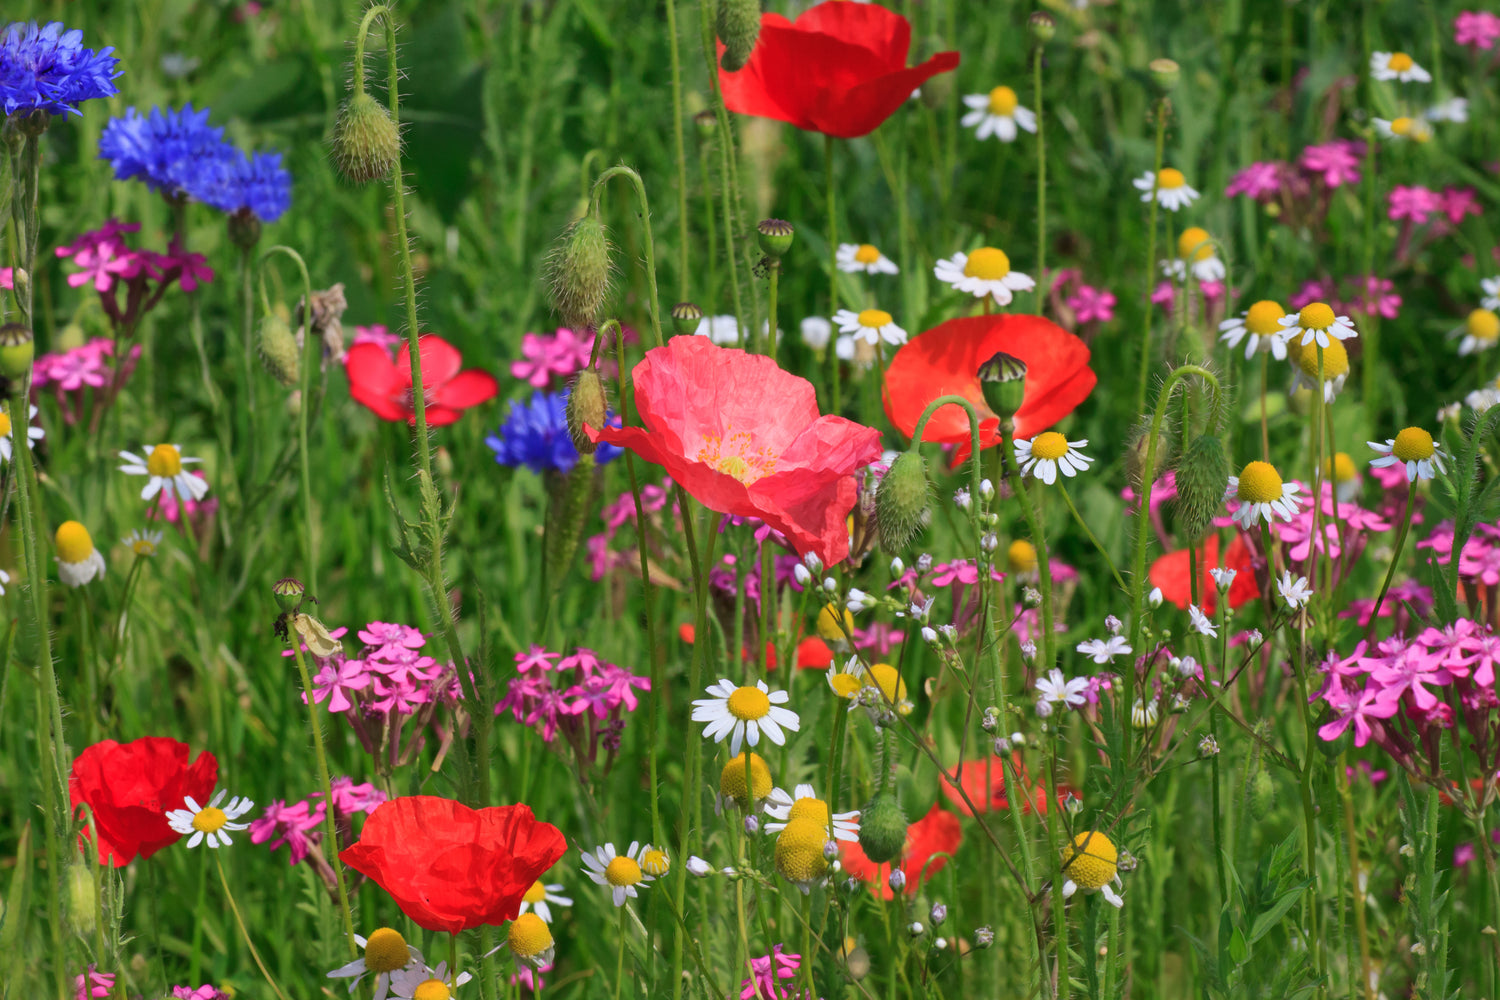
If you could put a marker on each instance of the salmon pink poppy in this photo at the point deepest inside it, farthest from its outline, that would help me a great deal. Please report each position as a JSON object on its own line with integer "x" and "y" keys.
{"x": 945, "y": 360}
{"x": 385, "y": 386}
{"x": 449, "y": 867}
{"x": 930, "y": 842}
{"x": 129, "y": 787}
{"x": 1173, "y": 574}
{"x": 744, "y": 437}
{"x": 839, "y": 69}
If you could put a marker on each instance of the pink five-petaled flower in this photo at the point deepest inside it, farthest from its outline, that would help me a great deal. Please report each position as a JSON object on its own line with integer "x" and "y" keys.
{"x": 1092, "y": 305}
{"x": 744, "y": 437}
{"x": 561, "y": 354}
{"x": 1415, "y": 203}
{"x": 536, "y": 658}
{"x": 1478, "y": 28}
{"x": 1406, "y": 668}
{"x": 194, "y": 269}
{"x": 1456, "y": 203}
{"x": 1258, "y": 181}
{"x": 92, "y": 984}
{"x": 385, "y": 386}
{"x": 1336, "y": 162}
{"x": 289, "y": 825}
{"x": 1357, "y": 708}
{"x": 769, "y": 971}
{"x": 391, "y": 637}
{"x": 334, "y": 682}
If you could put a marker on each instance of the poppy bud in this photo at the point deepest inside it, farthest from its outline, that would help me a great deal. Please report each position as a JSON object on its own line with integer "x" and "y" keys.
{"x": 288, "y": 592}
{"x": 901, "y": 500}
{"x": 17, "y": 350}
{"x": 775, "y": 236}
{"x": 1003, "y": 380}
{"x": 82, "y": 899}
{"x": 1164, "y": 74}
{"x": 706, "y": 122}
{"x": 1262, "y": 795}
{"x": 1042, "y": 27}
{"x": 580, "y": 272}
{"x": 737, "y": 26}
{"x": 685, "y": 317}
{"x": 1202, "y": 477}
{"x": 278, "y": 349}
{"x": 366, "y": 143}
{"x": 586, "y": 405}
{"x": 882, "y": 828}
{"x": 244, "y": 229}
{"x": 566, "y": 512}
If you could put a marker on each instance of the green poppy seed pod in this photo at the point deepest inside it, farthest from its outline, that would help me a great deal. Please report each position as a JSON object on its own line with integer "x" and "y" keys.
{"x": 775, "y": 236}
{"x": 17, "y": 350}
{"x": 882, "y": 828}
{"x": 706, "y": 124}
{"x": 901, "y": 500}
{"x": 580, "y": 272}
{"x": 1202, "y": 477}
{"x": 685, "y": 317}
{"x": 288, "y": 592}
{"x": 366, "y": 143}
{"x": 278, "y": 349}
{"x": 567, "y": 511}
{"x": 1042, "y": 26}
{"x": 1262, "y": 795}
{"x": 586, "y": 405}
{"x": 738, "y": 25}
{"x": 1002, "y": 379}
{"x": 83, "y": 899}
{"x": 1164, "y": 75}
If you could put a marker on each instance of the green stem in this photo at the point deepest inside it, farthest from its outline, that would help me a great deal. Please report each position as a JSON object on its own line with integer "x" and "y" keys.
{"x": 1161, "y": 135}
{"x": 1041, "y": 185}
{"x": 620, "y": 960}
{"x": 653, "y": 307}
{"x": 1411, "y": 502}
{"x": 1067, "y": 499}
{"x": 681, "y": 150}
{"x": 831, "y": 360}
{"x": 773, "y": 280}
{"x": 240, "y": 922}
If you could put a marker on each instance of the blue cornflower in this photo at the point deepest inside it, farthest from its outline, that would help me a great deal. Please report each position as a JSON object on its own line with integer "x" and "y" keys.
{"x": 47, "y": 69}
{"x": 535, "y": 434}
{"x": 167, "y": 149}
{"x": 237, "y": 181}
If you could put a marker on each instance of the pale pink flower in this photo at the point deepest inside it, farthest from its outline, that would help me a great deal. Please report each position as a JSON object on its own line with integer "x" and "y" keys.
{"x": 1259, "y": 181}
{"x": 1477, "y": 28}
{"x": 1092, "y": 305}
{"x": 1336, "y": 163}
{"x": 1415, "y": 203}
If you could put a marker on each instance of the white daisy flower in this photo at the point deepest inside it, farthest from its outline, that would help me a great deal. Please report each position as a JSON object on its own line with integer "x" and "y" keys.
{"x": 620, "y": 872}
{"x": 1171, "y": 188}
{"x": 211, "y": 821}
{"x": 530, "y": 940}
{"x": 743, "y": 714}
{"x": 986, "y": 271}
{"x": 1202, "y": 624}
{"x": 418, "y": 982}
{"x": 1317, "y": 323}
{"x": 78, "y": 561}
{"x": 998, "y": 113}
{"x": 816, "y": 332}
{"x": 1144, "y": 716}
{"x": 1413, "y": 447}
{"x": 870, "y": 325}
{"x": 1491, "y": 288}
{"x": 1397, "y": 66}
{"x": 804, "y": 803}
{"x": 1195, "y": 248}
{"x": 142, "y": 543}
{"x": 1260, "y": 328}
{"x": 33, "y": 433}
{"x": 1104, "y": 650}
{"x": 1043, "y": 455}
{"x": 385, "y": 952}
{"x": 1054, "y": 687}
{"x": 1403, "y": 129}
{"x": 1455, "y": 109}
{"x": 1479, "y": 332}
{"x": 1305, "y": 370}
{"x": 539, "y": 895}
{"x": 1294, "y": 590}
{"x": 1262, "y": 495}
{"x": 866, "y": 257}
{"x": 1482, "y": 399}
{"x": 1091, "y": 863}
{"x": 163, "y": 464}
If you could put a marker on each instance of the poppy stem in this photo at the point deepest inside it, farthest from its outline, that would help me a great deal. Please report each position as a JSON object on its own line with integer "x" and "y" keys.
{"x": 683, "y": 266}
{"x": 832, "y": 357}
{"x": 648, "y": 243}
{"x": 1161, "y": 135}
{"x": 1119, "y": 581}
{"x": 240, "y": 922}
{"x": 1041, "y": 184}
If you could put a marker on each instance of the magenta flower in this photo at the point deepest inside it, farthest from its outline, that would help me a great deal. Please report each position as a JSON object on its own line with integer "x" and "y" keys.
{"x": 1376, "y": 297}
{"x": 1259, "y": 181}
{"x": 1406, "y": 668}
{"x": 583, "y": 660}
{"x": 349, "y": 798}
{"x": 288, "y": 825}
{"x": 402, "y": 666}
{"x": 398, "y": 696}
{"x": 1477, "y": 28}
{"x": 193, "y": 268}
{"x": 204, "y": 992}
{"x": 768, "y": 973}
{"x": 336, "y": 680}
{"x": 71, "y": 370}
{"x": 1357, "y": 709}
{"x": 390, "y": 639}
{"x": 536, "y": 658}
{"x": 379, "y": 336}
{"x": 1092, "y": 305}
{"x": 102, "y": 263}
{"x": 1165, "y": 295}
{"x": 562, "y": 354}
{"x": 879, "y": 637}
{"x": 92, "y": 984}
{"x": 1456, "y": 203}
{"x": 1336, "y": 163}
{"x": 1415, "y": 203}
{"x": 1315, "y": 291}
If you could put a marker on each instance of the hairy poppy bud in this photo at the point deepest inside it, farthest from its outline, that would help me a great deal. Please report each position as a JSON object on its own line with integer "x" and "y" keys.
{"x": 1262, "y": 795}
{"x": 82, "y": 899}
{"x": 1002, "y": 379}
{"x": 17, "y": 350}
{"x": 580, "y": 272}
{"x": 901, "y": 501}
{"x": 1202, "y": 477}
{"x": 586, "y": 405}
{"x": 366, "y": 143}
{"x": 1164, "y": 74}
{"x": 278, "y": 349}
{"x": 685, "y": 317}
{"x": 738, "y": 25}
{"x": 775, "y": 236}
{"x": 882, "y": 828}
{"x": 566, "y": 512}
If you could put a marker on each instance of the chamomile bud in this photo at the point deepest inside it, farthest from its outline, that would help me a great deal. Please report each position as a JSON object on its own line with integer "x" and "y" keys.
{"x": 897, "y": 566}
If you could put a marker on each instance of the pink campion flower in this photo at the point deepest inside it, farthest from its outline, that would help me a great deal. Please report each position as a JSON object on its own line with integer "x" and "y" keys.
{"x": 1479, "y": 562}
{"x": 6, "y": 281}
{"x": 204, "y": 992}
{"x": 400, "y": 697}
{"x": 1165, "y": 295}
{"x": 1212, "y": 291}
{"x": 1415, "y": 203}
{"x": 102, "y": 264}
{"x": 402, "y": 666}
{"x": 1477, "y": 28}
{"x": 1362, "y": 769}
{"x": 768, "y": 973}
{"x": 288, "y": 825}
{"x": 1092, "y": 305}
{"x": 1356, "y": 708}
{"x": 585, "y": 661}
{"x": 1463, "y": 854}
{"x": 378, "y": 335}
{"x": 1336, "y": 163}
{"x": 879, "y": 637}
{"x": 1406, "y": 669}
{"x": 349, "y": 798}
{"x": 1259, "y": 181}
{"x": 92, "y": 984}
{"x": 193, "y": 268}
{"x": 1376, "y": 297}
{"x": 1456, "y": 203}
{"x": 535, "y": 658}
{"x": 392, "y": 637}
{"x": 110, "y": 233}
{"x": 71, "y": 370}
{"x": 562, "y": 354}
{"x": 1315, "y": 291}
{"x": 623, "y": 684}
{"x": 535, "y": 366}
{"x": 335, "y": 681}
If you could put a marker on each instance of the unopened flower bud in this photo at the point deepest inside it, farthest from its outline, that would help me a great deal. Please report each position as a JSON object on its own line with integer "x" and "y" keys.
{"x": 278, "y": 349}
{"x": 1113, "y": 625}
{"x": 830, "y": 849}
{"x": 1186, "y": 667}
{"x": 752, "y": 824}
{"x": 1002, "y": 747}
{"x": 288, "y": 592}
{"x": 897, "y": 566}
{"x": 830, "y": 585}
{"x": 775, "y": 237}
{"x": 17, "y": 351}
{"x": 984, "y": 937}
{"x": 1042, "y": 26}
{"x": 801, "y": 575}
{"x": 366, "y": 143}
{"x": 1262, "y": 795}
{"x": 989, "y": 541}
{"x": 699, "y": 868}
{"x": 587, "y": 406}
{"x": 244, "y": 229}
{"x": 991, "y": 719}
{"x": 1155, "y": 597}
{"x": 924, "y": 562}
{"x": 897, "y": 880}
{"x": 1073, "y": 804}
{"x": 1043, "y": 708}
{"x": 929, "y": 635}
{"x": 1031, "y": 597}
{"x": 987, "y": 489}
{"x": 83, "y": 899}
{"x": 937, "y": 914}
{"x": 1202, "y": 477}
{"x": 1208, "y": 746}
{"x": 685, "y": 317}
{"x": 882, "y": 828}
{"x": 915, "y": 928}
{"x": 737, "y": 25}
{"x": 1164, "y": 74}
{"x": 579, "y": 272}
{"x": 901, "y": 500}
{"x": 1003, "y": 381}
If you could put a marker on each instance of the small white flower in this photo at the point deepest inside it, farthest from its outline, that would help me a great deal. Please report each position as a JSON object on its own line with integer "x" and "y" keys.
{"x": 1055, "y": 688}
{"x": 1262, "y": 495}
{"x": 1196, "y": 249}
{"x": 1171, "y": 187}
{"x": 1316, "y": 322}
{"x": 1223, "y": 576}
{"x": 1455, "y": 109}
{"x": 1186, "y": 667}
{"x": 408, "y": 983}
{"x": 1202, "y": 624}
{"x": 986, "y": 271}
{"x": 929, "y": 634}
{"x": 859, "y": 601}
{"x": 78, "y": 561}
{"x": 1403, "y": 129}
{"x": 998, "y": 113}
{"x": 142, "y": 543}
{"x": 1397, "y": 66}
{"x": 540, "y": 895}
{"x": 1144, "y": 716}
{"x": 211, "y": 821}
{"x": 855, "y": 257}
{"x": 699, "y": 868}
{"x": 385, "y": 953}
{"x": 1295, "y": 591}
{"x": 1104, "y": 650}
{"x": 1414, "y": 448}
{"x": 1491, "y": 288}
{"x": 620, "y": 872}
{"x": 801, "y": 575}
{"x": 33, "y": 433}
{"x": 816, "y": 332}
{"x": 743, "y": 714}
{"x": 1043, "y": 455}
{"x": 1480, "y": 331}
{"x": 871, "y": 326}
{"x": 1260, "y": 328}
{"x": 163, "y": 464}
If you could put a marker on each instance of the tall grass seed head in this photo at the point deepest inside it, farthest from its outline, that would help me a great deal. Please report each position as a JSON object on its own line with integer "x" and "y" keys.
{"x": 278, "y": 349}
{"x": 738, "y": 26}
{"x": 17, "y": 350}
{"x": 1202, "y": 477}
{"x": 366, "y": 143}
{"x": 587, "y": 404}
{"x": 775, "y": 237}
{"x": 901, "y": 501}
{"x": 882, "y": 828}
{"x": 579, "y": 272}
{"x": 1002, "y": 379}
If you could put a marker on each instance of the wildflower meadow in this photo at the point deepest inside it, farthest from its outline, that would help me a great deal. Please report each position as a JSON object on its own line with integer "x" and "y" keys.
{"x": 696, "y": 499}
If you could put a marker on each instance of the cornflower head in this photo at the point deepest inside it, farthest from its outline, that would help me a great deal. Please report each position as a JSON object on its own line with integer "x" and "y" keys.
{"x": 166, "y": 150}
{"x": 535, "y": 434}
{"x": 46, "y": 69}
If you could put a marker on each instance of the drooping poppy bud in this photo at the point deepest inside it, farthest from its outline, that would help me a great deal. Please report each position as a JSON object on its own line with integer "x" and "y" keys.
{"x": 737, "y": 25}
{"x": 901, "y": 501}
{"x": 366, "y": 143}
{"x": 579, "y": 272}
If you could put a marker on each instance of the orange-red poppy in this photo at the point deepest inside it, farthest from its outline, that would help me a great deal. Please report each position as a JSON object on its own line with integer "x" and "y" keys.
{"x": 1172, "y": 573}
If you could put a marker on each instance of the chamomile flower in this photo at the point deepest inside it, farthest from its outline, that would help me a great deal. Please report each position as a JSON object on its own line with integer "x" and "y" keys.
{"x": 1414, "y": 448}
{"x": 1305, "y": 360}
{"x": 142, "y": 543}
{"x": 1045, "y": 454}
{"x": 998, "y": 113}
{"x": 1172, "y": 191}
{"x": 886, "y": 679}
{"x": 800, "y": 855}
{"x": 846, "y": 681}
{"x": 1316, "y": 323}
{"x": 1397, "y": 66}
{"x": 870, "y": 325}
{"x": 1104, "y": 650}
{"x": 1054, "y": 687}
{"x": 744, "y": 714}
{"x": 212, "y": 821}
{"x": 1091, "y": 863}
{"x": 385, "y": 953}
{"x": 539, "y": 896}
{"x": 163, "y": 464}
{"x": 1455, "y": 109}
{"x": 1262, "y": 495}
{"x": 1403, "y": 129}
{"x": 804, "y": 803}
{"x": 530, "y": 940}
{"x": 745, "y": 781}
{"x": 866, "y": 257}
{"x": 1491, "y": 288}
{"x": 620, "y": 872}
{"x": 1344, "y": 475}
{"x": 986, "y": 271}
{"x": 418, "y": 982}
{"x": 1295, "y": 591}
{"x": 654, "y": 861}
{"x": 1202, "y": 624}
{"x": 1479, "y": 331}
{"x": 33, "y": 433}
{"x": 78, "y": 561}
{"x": 1260, "y": 328}
{"x": 1195, "y": 249}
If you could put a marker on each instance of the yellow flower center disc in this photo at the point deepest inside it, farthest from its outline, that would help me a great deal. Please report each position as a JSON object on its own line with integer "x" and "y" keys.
{"x": 1482, "y": 324}
{"x": 386, "y": 951}
{"x": 1262, "y": 318}
{"x": 1195, "y": 244}
{"x": 809, "y": 808}
{"x": 432, "y": 989}
{"x": 1022, "y": 554}
{"x": 732, "y": 779}
{"x": 987, "y": 264}
{"x": 1335, "y": 360}
{"x": 866, "y": 254}
{"x": 1400, "y": 62}
{"x": 874, "y": 318}
{"x": 622, "y": 871}
{"x": 1316, "y": 316}
{"x": 536, "y": 894}
{"x": 210, "y": 819}
{"x": 528, "y": 936}
{"x": 1259, "y": 483}
{"x": 164, "y": 461}
{"x": 73, "y": 542}
{"x": 799, "y": 850}
{"x": 1090, "y": 860}
{"x": 749, "y": 703}
{"x": 1169, "y": 177}
{"x": 1412, "y": 445}
{"x": 1051, "y": 445}
{"x": 1003, "y": 102}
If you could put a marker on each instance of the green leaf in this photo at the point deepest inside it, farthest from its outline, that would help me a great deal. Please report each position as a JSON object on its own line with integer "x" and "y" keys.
{"x": 1267, "y": 919}
{"x": 1238, "y": 949}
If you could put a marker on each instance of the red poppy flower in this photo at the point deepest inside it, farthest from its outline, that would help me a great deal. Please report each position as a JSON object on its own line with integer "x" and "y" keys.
{"x": 1173, "y": 574}
{"x": 686, "y": 632}
{"x": 385, "y": 385}
{"x": 129, "y": 787}
{"x": 449, "y": 867}
{"x": 930, "y": 842}
{"x": 744, "y": 437}
{"x": 976, "y": 775}
{"x": 813, "y": 654}
{"x": 945, "y": 360}
{"x": 839, "y": 69}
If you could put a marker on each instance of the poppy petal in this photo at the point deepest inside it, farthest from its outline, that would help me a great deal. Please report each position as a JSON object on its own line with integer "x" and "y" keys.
{"x": 468, "y": 388}
{"x": 440, "y": 361}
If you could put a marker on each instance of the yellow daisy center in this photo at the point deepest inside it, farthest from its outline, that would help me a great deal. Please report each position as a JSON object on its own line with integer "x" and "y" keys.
{"x": 143, "y": 547}
{"x": 846, "y": 685}
{"x": 829, "y": 622}
{"x": 73, "y": 542}
{"x": 1335, "y": 360}
{"x": 867, "y": 253}
{"x": 4, "y": 424}
{"x": 1401, "y": 126}
{"x": 655, "y": 862}
{"x": 732, "y": 779}
{"x": 987, "y": 264}
{"x": 748, "y": 704}
{"x": 528, "y": 936}
{"x": 1316, "y": 316}
{"x": 1259, "y": 483}
{"x": 1194, "y": 244}
{"x": 875, "y": 318}
{"x": 386, "y": 951}
{"x": 1262, "y": 318}
{"x": 536, "y": 894}
{"x": 164, "y": 461}
{"x": 1022, "y": 554}
{"x": 1482, "y": 324}
{"x": 1003, "y": 102}
{"x": 885, "y": 677}
{"x": 622, "y": 871}
{"x": 809, "y": 808}
{"x": 1050, "y": 445}
{"x": 1341, "y": 469}
{"x": 1400, "y": 62}
{"x": 432, "y": 989}
{"x": 1090, "y": 860}
{"x": 1412, "y": 445}
{"x": 799, "y": 850}
{"x": 209, "y": 820}
{"x": 1168, "y": 177}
